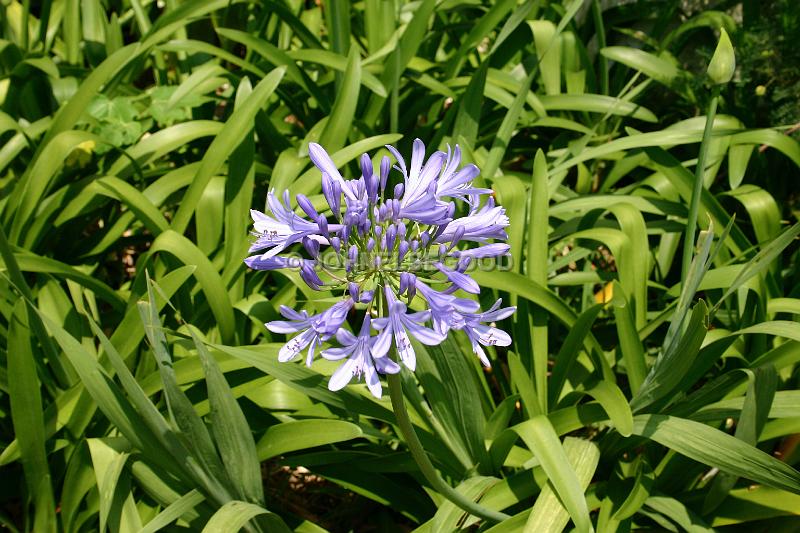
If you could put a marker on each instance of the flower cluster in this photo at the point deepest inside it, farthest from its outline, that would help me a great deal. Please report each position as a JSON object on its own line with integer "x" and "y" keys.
{"x": 392, "y": 245}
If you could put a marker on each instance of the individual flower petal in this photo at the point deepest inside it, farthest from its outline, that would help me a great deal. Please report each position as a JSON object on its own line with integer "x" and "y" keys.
{"x": 295, "y": 345}
{"x": 491, "y": 336}
{"x": 386, "y": 365}
{"x": 457, "y": 182}
{"x": 297, "y": 321}
{"x": 494, "y": 313}
{"x": 342, "y": 376}
{"x": 424, "y": 335}
{"x": 323, "y": 161}
{"x": 488, "y": 250}
{"x": 459, "y": 279}
{"x": 372, "y": 380}
{"x": 334, "y": 354}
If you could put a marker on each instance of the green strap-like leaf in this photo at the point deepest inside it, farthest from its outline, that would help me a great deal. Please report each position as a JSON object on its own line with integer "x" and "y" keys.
{"x": 232, "y": 516}
{"x": 553, "y": 507}
{"x": 27, "y": 417}
{"x": 717, "y": 449}
{"x": 303, "y": 434}
{"x": 542, "y": 440}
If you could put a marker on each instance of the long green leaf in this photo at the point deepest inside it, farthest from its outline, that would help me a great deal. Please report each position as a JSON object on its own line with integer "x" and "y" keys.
{"x": 302, "y": 434}
{"x": 717, "y": 449}
{"x": 229, "y": 137}
{"x": 542, "y": 440}
{"x": 26, "y": 414}
{"x": 551, "y": 512}
{"x": 230, "y": 429}
{"x": 232, "y": 516}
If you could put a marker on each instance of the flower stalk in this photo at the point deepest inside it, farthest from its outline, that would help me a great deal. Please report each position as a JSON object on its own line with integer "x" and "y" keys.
{"x": 720, "y": 71}
{"x": 697, "y": 192}
{"x": 390, "y": 245}
{"x": 424, "y": 463}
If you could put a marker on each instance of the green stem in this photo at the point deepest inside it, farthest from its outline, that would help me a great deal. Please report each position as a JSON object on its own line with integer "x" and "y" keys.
{"x": 694, "y": 206}
{"x": 423, "y": 461}
{"x": 394, "y": 103}
{"x": 26, "y": 9}
{"x": 600, "y": 31}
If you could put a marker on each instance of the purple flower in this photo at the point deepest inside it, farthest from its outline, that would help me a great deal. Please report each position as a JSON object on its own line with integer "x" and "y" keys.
{"x": 459, "y": 279}
{"x": 399, "y": 324}
{"x": 482, "y": 334}
{"x": 489, "y": 222}
{"x": 362, "y": 359}
{"x": 444, "y": 307}
{"x": 284, "y": 230}
{"x": 420, "y": 202}
{"x": 380, "y": 242}
{"x": 457, "y": 183}
{"x": 312, "y": 330}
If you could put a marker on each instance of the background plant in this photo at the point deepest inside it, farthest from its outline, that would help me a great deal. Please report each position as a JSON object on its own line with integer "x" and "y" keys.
{"x": 136, "y": 135}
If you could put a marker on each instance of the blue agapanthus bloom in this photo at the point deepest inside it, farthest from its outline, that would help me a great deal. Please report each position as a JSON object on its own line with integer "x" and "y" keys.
{"x": 399, "y": 253}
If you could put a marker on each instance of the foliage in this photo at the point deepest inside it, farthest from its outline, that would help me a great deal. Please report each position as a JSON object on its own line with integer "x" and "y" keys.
{"x": 139, "y": 389}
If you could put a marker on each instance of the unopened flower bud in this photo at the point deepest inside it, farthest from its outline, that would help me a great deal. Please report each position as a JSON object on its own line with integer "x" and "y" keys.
{"x": 386, "y": 166}
{"x": 723, "y": 62}
{"x": 305, "y": 205}
{"x": 309, "y": 275}
{"x": 311, "y": 246}
{"x": 366, "y": 296}
{"x": 404, "y": 279}
{"x": 391, "y": 232}
{"x": 322, "y": 223}
{"x": 458, "y": 234}
{"x": 353, "y": 289}
{"x": 402, "y": 250}
{"x": 332, "y": 192}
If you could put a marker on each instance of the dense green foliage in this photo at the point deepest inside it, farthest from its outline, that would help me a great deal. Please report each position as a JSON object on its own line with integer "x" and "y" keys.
{"x": 139, "y": 389}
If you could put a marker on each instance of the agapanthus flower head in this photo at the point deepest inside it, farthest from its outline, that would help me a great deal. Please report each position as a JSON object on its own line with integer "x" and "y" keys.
{"x": 396, "y": 250}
